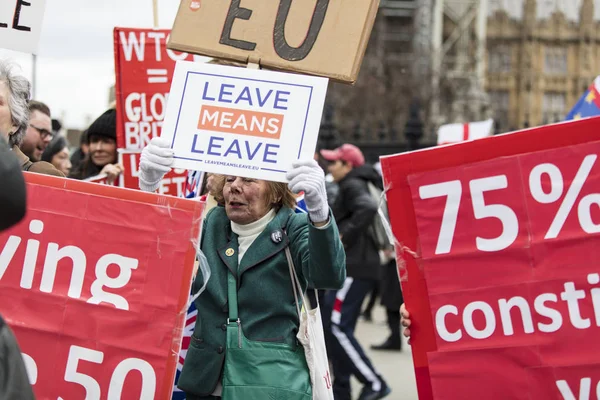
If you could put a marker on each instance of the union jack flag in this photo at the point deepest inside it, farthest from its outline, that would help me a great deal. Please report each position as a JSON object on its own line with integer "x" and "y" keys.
{"x": 190, "y": 323}
{"x": 301, "y": 204}
{"x": 193, "y": 184}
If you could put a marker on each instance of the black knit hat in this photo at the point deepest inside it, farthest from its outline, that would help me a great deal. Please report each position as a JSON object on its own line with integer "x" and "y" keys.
{"x": 105, "y": 125}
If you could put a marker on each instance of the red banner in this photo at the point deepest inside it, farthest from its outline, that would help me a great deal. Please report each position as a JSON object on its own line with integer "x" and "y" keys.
{"x": 95, "y": 283}
{"x": 144, "y": 68}
{"x": 500, "y": 242}
{"x": 172, "y": 184}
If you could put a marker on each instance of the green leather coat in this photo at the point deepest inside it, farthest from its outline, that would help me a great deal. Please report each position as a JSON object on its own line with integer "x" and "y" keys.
{"x": 266, "y": 301}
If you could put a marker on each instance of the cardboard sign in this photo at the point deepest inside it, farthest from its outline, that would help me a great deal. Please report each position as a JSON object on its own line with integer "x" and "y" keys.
{"x": 499, "y": 238}
{"x": 95, "y": 282}
{"x": 173, "y": 183}
{"x": 241, "y": 121}
{"x": 21, "y": 24}
{"x": 317, "y": 37}
{"x": 144, "y": 67}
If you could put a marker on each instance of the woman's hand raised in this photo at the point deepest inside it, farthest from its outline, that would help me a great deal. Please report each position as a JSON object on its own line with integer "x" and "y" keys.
{"x": 306, "y": 176}
{"x": 156, "y": 161}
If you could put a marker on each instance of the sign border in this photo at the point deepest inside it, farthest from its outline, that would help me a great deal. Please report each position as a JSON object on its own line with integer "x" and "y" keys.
{"x": 165, "y": 201}
{"x": 243, "y": 79}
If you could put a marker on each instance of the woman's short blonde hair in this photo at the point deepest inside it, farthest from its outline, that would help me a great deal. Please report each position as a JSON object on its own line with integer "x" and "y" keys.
{"x": 279, "y": 194}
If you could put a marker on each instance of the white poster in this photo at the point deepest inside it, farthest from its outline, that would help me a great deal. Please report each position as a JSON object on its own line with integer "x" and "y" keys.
{"x": 21, "y": 24}
{"x": 241, "y": 121}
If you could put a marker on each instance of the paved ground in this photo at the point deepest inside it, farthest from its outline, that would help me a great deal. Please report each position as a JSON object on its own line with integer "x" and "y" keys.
{"x": 396, "y": 367}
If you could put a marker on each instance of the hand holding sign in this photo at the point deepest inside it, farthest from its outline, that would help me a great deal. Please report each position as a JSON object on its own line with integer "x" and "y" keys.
{"x": 156, "y": 161}
{"x": 308, "y": 177}
{"x": 242, "y": 122}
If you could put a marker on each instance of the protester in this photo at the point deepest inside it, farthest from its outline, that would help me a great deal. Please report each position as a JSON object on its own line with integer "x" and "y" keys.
{"x": 57, "y": 154}
{"x": 102, "y": 156}
{"x": 79, "y": 155}
{"x": 391, "y": 299}
{"x": 14, "y": 383}
{"x": 39, "y": 132}
{"x": 14, "y": 118}
{"x": 244, "y": 241}
{"x": 354, "y": 211}
{"x": 390, "y": 293}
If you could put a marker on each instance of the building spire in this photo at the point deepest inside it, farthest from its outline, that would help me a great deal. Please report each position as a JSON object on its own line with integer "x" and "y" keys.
{"x": 586, "y": 15}
{"x": 529, "y": 12}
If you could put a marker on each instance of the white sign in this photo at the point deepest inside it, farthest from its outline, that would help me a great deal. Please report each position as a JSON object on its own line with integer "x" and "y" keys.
{"x": 241, "y": 121}
{"x": 21, "y": 24}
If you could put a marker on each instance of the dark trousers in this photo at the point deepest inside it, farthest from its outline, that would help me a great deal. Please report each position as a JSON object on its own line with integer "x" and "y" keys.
{"x": 347, "y": 355}
{"x": 393, "y": 320}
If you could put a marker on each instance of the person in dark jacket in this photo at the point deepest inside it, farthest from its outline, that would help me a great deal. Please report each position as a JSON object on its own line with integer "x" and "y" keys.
{"x": 102, "y": 158}
{"x": 354, "y": 210}
{"x": 14, "y": 383}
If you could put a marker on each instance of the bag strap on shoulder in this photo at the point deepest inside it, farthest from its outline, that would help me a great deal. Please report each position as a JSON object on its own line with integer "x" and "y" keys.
{"x": 27, "y": 166}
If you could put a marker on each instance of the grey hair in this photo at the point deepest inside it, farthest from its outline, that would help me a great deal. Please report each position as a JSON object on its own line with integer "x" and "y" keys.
{"x": 19, "y": 91}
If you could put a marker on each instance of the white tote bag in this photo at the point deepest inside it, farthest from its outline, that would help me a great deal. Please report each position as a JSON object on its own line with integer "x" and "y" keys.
{"x": 312, "y": 338}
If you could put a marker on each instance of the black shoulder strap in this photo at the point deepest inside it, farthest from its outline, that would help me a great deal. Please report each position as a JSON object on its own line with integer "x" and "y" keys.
{"x": 27, "y": 166}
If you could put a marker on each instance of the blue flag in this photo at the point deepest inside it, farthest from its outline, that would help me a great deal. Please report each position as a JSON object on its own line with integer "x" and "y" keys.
{"x": 589, "y": 104}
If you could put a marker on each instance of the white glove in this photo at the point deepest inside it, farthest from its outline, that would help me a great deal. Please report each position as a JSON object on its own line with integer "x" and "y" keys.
{"x": 306, "y": 176}
{"x": 155, "y": 162}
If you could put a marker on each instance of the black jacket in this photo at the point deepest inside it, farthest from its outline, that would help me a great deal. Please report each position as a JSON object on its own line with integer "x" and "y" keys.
{"x": 14, "y": 384}
{"x": 354, "y": 210}
{"x": 12, "y": 188}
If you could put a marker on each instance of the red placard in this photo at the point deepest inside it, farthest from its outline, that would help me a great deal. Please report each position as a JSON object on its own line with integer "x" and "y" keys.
{"x": 499, "y": 245}
{"x": 95, "y": 282}
{"x": 173, "y": 183}
{"x": 144, "y": 68}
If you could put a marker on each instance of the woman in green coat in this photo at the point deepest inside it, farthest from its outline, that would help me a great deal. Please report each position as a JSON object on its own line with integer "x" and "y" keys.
{"x": 244, "y": 344}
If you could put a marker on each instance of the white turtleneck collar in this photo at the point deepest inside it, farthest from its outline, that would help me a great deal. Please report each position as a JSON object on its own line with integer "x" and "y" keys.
{"x": 249, "y": 232}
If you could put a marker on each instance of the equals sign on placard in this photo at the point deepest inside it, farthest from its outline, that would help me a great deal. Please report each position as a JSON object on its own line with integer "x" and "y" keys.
{"x": 157, "y": 76}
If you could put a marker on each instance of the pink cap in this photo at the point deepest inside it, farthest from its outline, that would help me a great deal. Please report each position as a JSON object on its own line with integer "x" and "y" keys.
{"x": 346, "y": 152}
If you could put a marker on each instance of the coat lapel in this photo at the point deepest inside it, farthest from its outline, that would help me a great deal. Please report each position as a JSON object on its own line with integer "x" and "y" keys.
{"x": 270, "y": 242}
{"x": 229, "y": 253}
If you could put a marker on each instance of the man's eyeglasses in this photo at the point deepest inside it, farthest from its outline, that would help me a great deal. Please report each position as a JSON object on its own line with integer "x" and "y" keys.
{"x": 44, "y": 133}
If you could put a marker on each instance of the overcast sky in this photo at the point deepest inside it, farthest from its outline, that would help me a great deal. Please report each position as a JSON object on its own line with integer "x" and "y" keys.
{"x": 75, "y": 65}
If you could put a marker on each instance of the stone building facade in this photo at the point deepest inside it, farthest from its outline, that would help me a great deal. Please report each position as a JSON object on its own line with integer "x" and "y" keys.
{"x": 541, "y": 57}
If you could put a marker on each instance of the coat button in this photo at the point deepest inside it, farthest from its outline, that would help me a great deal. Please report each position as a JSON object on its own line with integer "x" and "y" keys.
{"x": 220, "y": 349}
{"x": 224, "y": 327}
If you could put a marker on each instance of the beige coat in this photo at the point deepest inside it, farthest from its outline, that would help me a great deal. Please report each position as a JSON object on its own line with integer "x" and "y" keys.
{"x": 39, "y": 167}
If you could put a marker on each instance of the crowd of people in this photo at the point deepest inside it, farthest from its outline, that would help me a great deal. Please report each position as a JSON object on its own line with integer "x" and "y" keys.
{"x": 253, "y": 243}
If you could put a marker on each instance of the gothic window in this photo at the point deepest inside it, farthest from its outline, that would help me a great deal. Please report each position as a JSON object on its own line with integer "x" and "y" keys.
{"x": 500, "y": 105}
{"x": 555, "y": 61}
{"x": 499, "y": 59}
{"x": 553, "y": 107}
